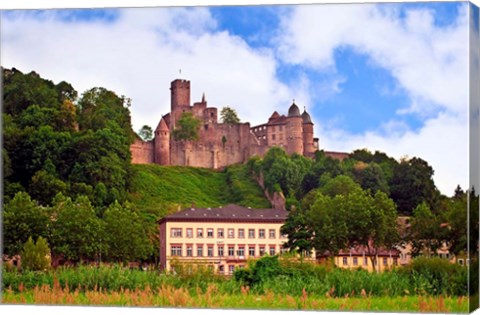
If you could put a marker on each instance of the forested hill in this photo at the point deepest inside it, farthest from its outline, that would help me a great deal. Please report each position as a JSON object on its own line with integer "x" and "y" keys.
{"x": 67, "y": 167}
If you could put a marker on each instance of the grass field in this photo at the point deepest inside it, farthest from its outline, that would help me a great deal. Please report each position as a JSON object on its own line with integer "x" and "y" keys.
{"x": 160, "y": 189}
{"x": 169, "y": 296}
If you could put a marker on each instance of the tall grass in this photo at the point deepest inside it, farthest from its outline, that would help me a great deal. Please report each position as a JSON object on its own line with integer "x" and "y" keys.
{"x": 283, "y": 277}
{"x": 168, "y": 296}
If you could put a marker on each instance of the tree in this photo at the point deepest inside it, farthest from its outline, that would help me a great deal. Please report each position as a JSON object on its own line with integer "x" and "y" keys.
{"x": 425, "y": 231}
{"x": 22, "y": 218}
{"x": 77, "y": 233}
{"x": 373, "y": 178}
{"x": 412, "y": 184}
{"x": 146, "y": 133}
{"x": 187, "y": 128}
{"x": 127, "y": 236}
{"x": 229, "y": 116}
{"x": 36, "y": 257}
{"x": 299, "y": 233}
{"x": 355, "y": 219}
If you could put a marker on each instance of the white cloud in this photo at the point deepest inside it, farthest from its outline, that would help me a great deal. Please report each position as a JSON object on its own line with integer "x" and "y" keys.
{"x": 429, "y": 63}
{"x": 141, "y": 52}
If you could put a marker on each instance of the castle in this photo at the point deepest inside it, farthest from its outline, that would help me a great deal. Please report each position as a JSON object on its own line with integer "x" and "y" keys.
{"x": 221, "y": 144}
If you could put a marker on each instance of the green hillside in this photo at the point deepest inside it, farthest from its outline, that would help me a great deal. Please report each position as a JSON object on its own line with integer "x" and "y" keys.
{"x": 160, "y": 190}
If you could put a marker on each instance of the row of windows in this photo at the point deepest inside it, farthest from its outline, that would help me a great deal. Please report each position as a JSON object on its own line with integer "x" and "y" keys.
{"x": 365, "y": 261}
{"x": 176, "y": 250}
{"x": 252, "y": 233}
{"x": 221, "y": 268}
{"x": 280, "y": 128}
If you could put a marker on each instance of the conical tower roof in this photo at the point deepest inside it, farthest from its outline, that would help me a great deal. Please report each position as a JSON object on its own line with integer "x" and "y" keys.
{"x": 293, "y": 110}
{"x": 162, "y": 125}
{"x": 306, "y": 117}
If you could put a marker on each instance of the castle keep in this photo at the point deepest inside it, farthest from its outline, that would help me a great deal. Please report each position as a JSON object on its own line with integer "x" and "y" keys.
{"x": 221, "y": 144}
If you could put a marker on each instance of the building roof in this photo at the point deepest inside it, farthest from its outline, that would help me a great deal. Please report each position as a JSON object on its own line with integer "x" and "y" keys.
{"x": 293, "y": 110}
{"x": 162, "y": 125}
{"x": 306, "y": 117}
{"x": 228, "y": 213}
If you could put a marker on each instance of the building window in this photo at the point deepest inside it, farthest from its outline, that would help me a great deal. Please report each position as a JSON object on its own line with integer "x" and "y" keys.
{"x": 210, "y": 233}
{"x": 231, "y": 250}
{"x": 189, "y": 250}
{"x": 251, "y": 251}
{"x": 231, "y": 269}
{"x": 199, "y": 232}
{"x": 355, "y": 261}
{"x": 272, "y": 251}
{"x": 261, "y": 233}
{"x": 365, "y": 261}
{"x": 189, "y": 233}
{"x": 460, "y": 261}
{"x": 241, "y": 233}
{"x": 176, "y": 250}
{"x": 210, "y": 251}
{"x": 176, "y": 232}
{"x": 231, "y": 233}
{"x": 221, "y": 269}
{"x": 241, "y": 251}
{"x": 395, "y": 261}
{"x": 273, "y": 137}
{"x": 345, "y": 261}
{"x": 199, "y": 250}
{"x": 251, "y": 233}
{"x": 271, "y": 233}
{"x": 220, "y": 251}
{"x": 220, "y": 233}
{"x": 261, "y": 250}
{"x": 385, "y": 262}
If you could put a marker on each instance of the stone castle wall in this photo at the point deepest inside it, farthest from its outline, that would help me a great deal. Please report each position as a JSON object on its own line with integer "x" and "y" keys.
{"x": 142, "y": 152}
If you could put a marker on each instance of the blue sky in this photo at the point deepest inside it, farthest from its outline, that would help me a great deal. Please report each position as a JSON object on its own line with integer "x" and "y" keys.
{"x": 386, "y": 77}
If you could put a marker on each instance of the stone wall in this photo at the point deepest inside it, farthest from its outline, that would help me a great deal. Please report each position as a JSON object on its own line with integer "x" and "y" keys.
{"x": 142, "y": 152}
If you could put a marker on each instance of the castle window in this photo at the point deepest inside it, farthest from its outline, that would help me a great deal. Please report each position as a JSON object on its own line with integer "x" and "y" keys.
{"x": 273, "y": 137}
{"x": 280, "y": 127}
{"x": 280, "y": 137}
{"x": 273, "y": 128}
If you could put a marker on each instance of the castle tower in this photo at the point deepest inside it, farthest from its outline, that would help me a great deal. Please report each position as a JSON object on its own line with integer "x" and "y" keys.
{"x": 308, "y": 147}
{"x": 294, "y": 130}
{"x": 179, "y": 99}
{"x": 162, "y": 143}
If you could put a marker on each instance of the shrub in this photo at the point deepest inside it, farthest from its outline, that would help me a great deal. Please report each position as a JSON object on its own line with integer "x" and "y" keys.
{"x": 36, "y": 257}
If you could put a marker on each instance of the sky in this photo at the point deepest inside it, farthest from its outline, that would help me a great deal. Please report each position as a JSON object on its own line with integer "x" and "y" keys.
{"x": 391, "y": 77}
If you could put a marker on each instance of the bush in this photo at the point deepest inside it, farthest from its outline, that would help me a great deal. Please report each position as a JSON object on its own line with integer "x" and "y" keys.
{"x": 36, "y": 257}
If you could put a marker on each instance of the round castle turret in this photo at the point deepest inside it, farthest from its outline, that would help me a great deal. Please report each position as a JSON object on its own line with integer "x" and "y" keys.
{"x": 162, "y": 143}
{"x": 294, "y": 130}
{"x": 308, "y": 147}
{"x": 179, "y": 99}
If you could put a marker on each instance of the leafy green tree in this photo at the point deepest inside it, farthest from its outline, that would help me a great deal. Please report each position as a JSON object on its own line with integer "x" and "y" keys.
{"x": 229, "y": 116}
{"x": 146, "y": 133}
{"x": 36, "y": 256}
{"x": 187, "y": 128}
{"x": 373, "y": 178}
{"x": 425, "y": 232}
{"x": 412, "y": 184}
{"x": 22, "y": 217}
{"x": 354, "y": 219}
{"x": 299, "y": 234}
{"x": 127, "y": 236}
{"x": 340, "y": 185}
{"x": 77, "y": 233}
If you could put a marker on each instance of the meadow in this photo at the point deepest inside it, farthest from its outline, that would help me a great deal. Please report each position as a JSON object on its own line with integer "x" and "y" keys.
{"x": 286, "y": 285}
